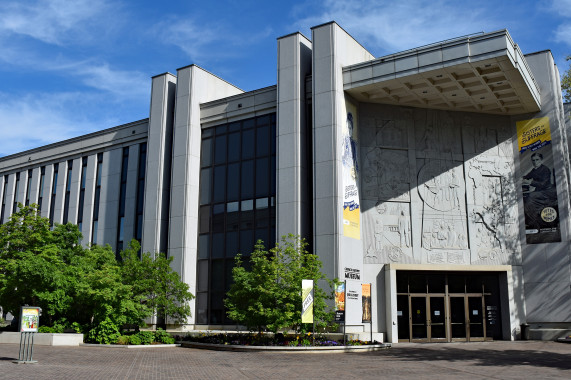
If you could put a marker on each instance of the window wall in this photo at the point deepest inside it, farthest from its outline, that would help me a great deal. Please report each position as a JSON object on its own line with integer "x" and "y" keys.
{"x": 237, "y": 205}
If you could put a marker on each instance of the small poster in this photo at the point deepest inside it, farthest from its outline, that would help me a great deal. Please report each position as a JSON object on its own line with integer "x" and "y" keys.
{"x": 307, "y": 299}
{"x": 340, "y": 303}
{"x": 366, "y": 297}
{"x": 29, "y": 319}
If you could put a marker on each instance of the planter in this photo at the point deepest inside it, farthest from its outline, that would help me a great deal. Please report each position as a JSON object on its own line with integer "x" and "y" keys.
{"x": 45, "y": 339}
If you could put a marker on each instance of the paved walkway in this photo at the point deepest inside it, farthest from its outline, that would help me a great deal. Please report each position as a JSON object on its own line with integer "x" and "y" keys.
{"x": 486, "y": 360}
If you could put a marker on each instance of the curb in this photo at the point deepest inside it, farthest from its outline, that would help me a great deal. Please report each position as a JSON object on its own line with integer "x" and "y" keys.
{"x": 333, "y": 349}
{"x": 129, "y": 345}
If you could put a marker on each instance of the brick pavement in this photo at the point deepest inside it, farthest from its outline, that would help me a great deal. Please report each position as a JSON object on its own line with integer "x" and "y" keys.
{"x": 486, "y": 360}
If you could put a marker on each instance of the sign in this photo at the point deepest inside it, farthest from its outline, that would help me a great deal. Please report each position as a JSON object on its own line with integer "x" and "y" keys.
{"x": 340, "y": 303}
{"x": 366, "y": 300}
{"x": 350, "y": 175}
{"x": 29, "y": 319}
{"x": 307, "y": 299}
{"x": 540, "y": 205}
{"x": 352, "y": 274}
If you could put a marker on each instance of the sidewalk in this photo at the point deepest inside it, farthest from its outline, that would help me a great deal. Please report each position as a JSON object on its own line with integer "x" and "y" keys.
{"x": 486, "y": 360}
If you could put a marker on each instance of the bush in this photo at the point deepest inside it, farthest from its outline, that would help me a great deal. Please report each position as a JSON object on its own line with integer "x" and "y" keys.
{"x": 46, "y": 329}
{"x": 164, "y": 337}
{"x": 146, "y": 337}
{"x": 134, "y": 339}
{"x": 123, "y": 339}
{"x": 105, "y": 333}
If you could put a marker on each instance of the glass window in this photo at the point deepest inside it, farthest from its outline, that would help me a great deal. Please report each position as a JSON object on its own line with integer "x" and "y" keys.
{"x": 233, "y": 207}
{"x": 220, "y": 150}
{"x": 206, "y": 159}
{"x": 219, "y": 184}
{"x": 218, "y": 245}
{"x": 248, "y": 144}
{"x": 233, "y": 181}
{"x": 217, "y": 275}
{"x": 233, "y": 147}
{"x": 262, "y": 183}
{"x": 208, "y": 132}
{"x": 202, "y": 275}
{"x": 204, "y": 225}
{"x": 261, "y": 203}
{"x": 204, "y": 246}
{"x": 205, "y": 185}
{"x": 262, "y": 141}
{"x": 246, "y": 242}
{"x": 232, "y": 246}
{"x": 233, "y": 127}
{"x": 247, "y": 184}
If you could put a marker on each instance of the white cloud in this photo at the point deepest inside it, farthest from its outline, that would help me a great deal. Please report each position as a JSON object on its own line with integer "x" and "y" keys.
{"x": 52, "y": 21}
{"x": 121, "y": 83}
{"x": 34, "y": 120}
{"x": 393, "y": 26}
{"x": 561, "y": 7}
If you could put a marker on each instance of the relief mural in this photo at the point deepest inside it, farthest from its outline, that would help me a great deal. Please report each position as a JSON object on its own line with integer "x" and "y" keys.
{"x": 463, "y": 208}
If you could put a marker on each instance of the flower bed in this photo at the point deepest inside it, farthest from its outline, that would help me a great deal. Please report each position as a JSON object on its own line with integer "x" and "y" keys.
{"x": 268, "y": 340}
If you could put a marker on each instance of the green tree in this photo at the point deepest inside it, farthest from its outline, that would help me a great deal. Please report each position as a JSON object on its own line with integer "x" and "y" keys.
{"x": 566, "y": 83}
{"x": 156, "y": 287}
{"x": 266, "y": 293}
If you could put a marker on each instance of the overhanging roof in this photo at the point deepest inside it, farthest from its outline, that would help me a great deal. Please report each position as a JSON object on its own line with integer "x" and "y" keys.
{"x": 486, "y": 73}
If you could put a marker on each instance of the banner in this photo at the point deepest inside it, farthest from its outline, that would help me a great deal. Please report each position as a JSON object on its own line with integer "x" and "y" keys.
{"x": 340, "y": 303}
{"x": 29, "y": 319}
{"x": 307, "y": 299}
{"x": 350, "y": 175}
{"x": 541, "y": 211}
{"x": 366, "y": 297}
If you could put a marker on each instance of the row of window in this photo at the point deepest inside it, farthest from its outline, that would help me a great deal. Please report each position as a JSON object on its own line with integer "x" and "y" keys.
{"x": 237, "y": 205}
{"x": 82, "y": 188}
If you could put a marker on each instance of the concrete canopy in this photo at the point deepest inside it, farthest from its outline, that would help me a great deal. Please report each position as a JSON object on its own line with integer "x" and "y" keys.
{"x": 486, "y": 73}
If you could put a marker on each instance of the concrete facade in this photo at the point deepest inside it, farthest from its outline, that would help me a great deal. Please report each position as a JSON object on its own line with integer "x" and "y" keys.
{"x": 412, "y": 164}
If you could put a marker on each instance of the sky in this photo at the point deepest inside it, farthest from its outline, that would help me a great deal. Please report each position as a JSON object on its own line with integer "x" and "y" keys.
{"x": 72, "y": 67}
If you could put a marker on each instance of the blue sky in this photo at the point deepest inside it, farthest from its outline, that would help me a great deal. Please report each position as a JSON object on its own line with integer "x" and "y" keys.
{"x": 71, "y": 67}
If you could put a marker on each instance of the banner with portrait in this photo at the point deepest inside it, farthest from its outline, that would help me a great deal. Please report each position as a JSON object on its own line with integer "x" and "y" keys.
{"x": 366, "y": 299}
{"x": 340, "y": 303}
{"x": 540, "y": 204}
{"x": 350, "y": 174}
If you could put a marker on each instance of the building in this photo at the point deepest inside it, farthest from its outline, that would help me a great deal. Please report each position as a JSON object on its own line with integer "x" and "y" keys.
{"x": 440, "y": 175}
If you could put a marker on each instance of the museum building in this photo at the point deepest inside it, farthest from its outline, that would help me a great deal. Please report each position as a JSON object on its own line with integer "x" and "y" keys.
{"x": 439, "y": 175}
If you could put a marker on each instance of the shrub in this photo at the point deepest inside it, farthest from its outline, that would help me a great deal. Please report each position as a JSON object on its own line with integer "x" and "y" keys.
{"x": 164, "y": 337}
{"x": 105, "y": 333}
{"x": 134, "y": 339}
{"x": 147, "y": 337}
{"x": 46, "y": 329}
{"x": 123, "y": 339}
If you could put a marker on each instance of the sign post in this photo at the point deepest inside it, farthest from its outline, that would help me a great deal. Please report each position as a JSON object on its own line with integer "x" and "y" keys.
{"x": 29, "y": 323}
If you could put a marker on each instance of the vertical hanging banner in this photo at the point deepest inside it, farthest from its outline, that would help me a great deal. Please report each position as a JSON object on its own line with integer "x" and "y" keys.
{"x": 29, "y": 319}
{"x": 350, "y": 175}
{"x": 307, "y": 299}
{"x": 340, "y": 303}
{"x": 540, "y": 204}
{"x": 366, "y": 297}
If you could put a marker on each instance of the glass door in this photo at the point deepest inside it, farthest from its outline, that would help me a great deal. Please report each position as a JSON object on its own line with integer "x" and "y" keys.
{"x": 418, "y": 320}
{"x": 475, "y": 306}
{"x": 437, "y": 321}
{"x": 457, "y": 318}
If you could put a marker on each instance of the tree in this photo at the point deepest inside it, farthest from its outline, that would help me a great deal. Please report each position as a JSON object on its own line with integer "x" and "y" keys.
{"x": 566, "y": 83}
{"x": 155, "y": 285}
{"x": 268, "y": 294}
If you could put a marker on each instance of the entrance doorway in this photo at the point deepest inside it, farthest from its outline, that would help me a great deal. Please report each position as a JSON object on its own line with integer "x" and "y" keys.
{"x": 447, "y": 307}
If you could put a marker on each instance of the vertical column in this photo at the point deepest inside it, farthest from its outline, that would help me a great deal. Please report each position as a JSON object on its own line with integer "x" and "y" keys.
{"x": 74, "y": 191}
{"x": 333, "y": 48}
{"x": 194, "y": 86}
{"x": 88, "y": 200}
{"x": 131, "y": 195}
{"x": 2, "y": 195}
{"x": 47, "y": 190}
{"x": 293, "y": 201}
{"x": 21, "y": 196}
{"x": 57, "y": 203}
{"x": 34, "y": 188}
{"x": 9, "y": 196}
{"x": 159, "y": 154}
{"x": 109, "y": 201}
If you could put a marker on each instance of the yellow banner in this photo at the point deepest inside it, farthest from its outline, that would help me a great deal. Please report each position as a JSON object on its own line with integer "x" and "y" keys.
{"x": 533, "y": 134}
{"x": 307, "y": 299}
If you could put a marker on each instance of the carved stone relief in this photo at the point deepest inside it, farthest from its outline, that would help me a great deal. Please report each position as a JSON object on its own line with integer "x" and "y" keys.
{"x": 441, "y": 185}
{"x": 388, "y": 232}
{"x": 386, "y": 174}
